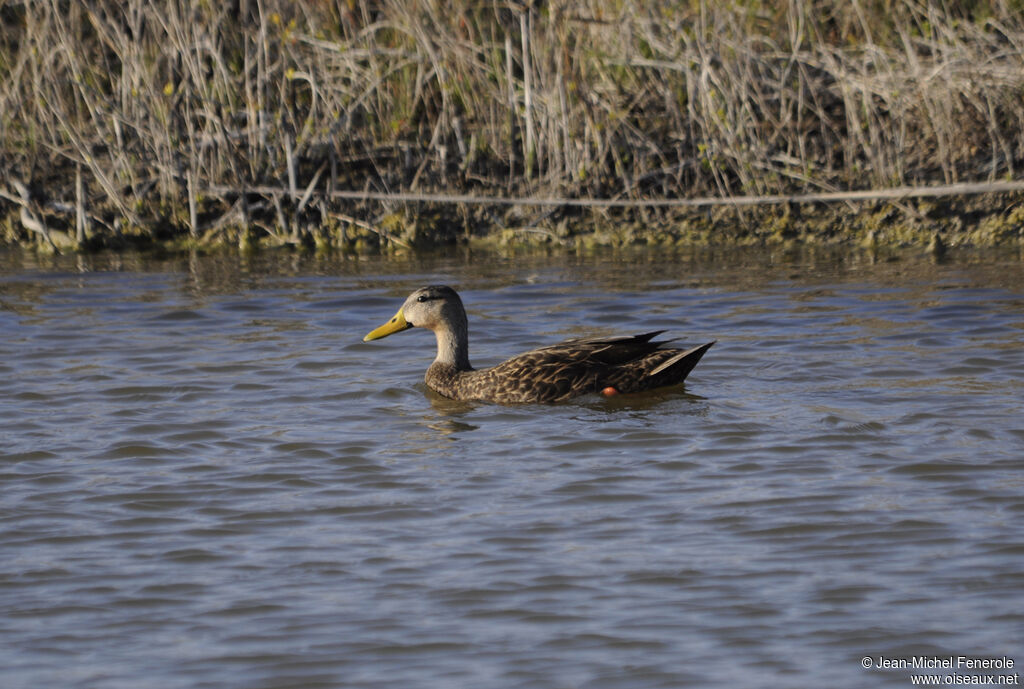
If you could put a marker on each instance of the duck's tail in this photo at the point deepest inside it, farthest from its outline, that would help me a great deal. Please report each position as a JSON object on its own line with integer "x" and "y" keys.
{"x": 674, "y": 370}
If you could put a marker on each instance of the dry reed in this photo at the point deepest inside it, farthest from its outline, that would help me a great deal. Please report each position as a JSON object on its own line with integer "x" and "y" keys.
{"x": 599, "y": 98}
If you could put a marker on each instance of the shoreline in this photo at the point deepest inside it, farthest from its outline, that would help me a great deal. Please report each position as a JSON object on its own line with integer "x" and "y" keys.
{"x": 140, "y": 124}
{"x": 988, "y": 220}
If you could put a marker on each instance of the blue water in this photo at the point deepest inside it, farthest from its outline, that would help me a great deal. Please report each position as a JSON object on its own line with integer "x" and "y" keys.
{"x": 208, "y": 480}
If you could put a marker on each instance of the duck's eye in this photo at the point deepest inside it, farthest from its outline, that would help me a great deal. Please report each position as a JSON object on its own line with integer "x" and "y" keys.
{"x": 422, "y": 298}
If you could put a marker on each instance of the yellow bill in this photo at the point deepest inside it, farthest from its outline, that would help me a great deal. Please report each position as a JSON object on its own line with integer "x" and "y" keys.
{"x": 395, "y": 325}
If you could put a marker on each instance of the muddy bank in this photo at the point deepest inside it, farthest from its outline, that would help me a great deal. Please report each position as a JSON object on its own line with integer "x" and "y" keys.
{"x": 936, "y": 224}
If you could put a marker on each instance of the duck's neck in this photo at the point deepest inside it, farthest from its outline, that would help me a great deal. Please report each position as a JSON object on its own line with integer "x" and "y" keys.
{"x": 453, "y": 348}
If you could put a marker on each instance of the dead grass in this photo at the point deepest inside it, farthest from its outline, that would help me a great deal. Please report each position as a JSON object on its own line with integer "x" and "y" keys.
{"x": 600, "y": 98}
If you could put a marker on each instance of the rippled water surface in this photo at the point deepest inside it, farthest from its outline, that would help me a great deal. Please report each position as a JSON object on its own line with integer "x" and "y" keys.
{"x": 208, "y": 480}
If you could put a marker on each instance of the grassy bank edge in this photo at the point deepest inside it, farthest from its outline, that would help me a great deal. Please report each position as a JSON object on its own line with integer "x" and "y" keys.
{"x": 117, "y": 115}
{"x": 936, "y": 223}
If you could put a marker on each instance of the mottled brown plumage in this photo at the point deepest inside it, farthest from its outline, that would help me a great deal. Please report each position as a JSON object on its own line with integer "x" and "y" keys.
{"x": 549, "y": 374}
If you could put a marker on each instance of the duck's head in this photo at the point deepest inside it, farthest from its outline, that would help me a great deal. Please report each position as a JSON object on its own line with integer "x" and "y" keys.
{"x": 437, "y": 307}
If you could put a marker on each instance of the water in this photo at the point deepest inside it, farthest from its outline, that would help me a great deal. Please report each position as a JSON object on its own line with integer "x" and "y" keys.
{"x": 208, "y": 480}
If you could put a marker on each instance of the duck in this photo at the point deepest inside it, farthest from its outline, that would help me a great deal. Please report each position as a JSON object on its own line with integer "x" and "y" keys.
{"x": 555, "y": 373}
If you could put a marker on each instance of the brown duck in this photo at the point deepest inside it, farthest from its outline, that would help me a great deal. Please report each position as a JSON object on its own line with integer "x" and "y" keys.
{"x": 549, "y": 374}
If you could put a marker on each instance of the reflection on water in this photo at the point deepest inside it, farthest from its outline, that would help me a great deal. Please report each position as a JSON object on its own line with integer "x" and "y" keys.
{"x": 210, "y": 480}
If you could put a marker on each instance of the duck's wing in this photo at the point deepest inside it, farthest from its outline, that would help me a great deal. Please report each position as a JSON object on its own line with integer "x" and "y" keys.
{"x": 659, "y": 369}
{"x": 600, "y": 351}
{"x": 578, "y": 367}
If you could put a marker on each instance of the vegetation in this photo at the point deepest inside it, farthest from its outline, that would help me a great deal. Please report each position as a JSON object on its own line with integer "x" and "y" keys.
{"x": 240, "y": 119}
